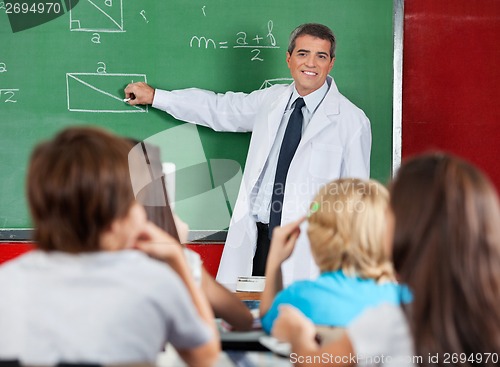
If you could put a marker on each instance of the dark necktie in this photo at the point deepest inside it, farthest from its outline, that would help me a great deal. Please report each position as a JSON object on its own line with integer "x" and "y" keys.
{"x": 291, "y": 141}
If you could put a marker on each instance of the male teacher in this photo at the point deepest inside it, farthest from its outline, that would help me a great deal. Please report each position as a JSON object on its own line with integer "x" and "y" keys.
{"x": 303, "y": 136}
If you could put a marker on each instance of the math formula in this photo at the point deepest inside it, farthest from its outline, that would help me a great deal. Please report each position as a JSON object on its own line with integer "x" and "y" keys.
{"x": 255, "y": 43}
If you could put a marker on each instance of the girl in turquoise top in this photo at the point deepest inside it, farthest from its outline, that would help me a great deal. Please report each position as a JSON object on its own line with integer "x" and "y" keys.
{"x": 349, "y": 237}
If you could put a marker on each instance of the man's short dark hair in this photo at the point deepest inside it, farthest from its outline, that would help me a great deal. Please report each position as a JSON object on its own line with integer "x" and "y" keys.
{"x": 315, "y": 30}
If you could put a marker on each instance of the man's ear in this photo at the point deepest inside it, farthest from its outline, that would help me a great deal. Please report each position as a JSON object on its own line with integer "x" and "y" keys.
{"x": 288, "y": 55}
{"x": 332, "y": 61}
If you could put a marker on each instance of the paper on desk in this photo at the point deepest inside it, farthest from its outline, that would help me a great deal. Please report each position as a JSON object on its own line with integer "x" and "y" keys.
{"x": 275, "y": 346}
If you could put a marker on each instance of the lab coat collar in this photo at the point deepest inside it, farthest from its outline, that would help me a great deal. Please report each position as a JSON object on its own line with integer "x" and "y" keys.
{"x": 324, "y": 115}
{"x": 276, "y": 113}
{"x": 312, "y": 100}
{"x": 321, "y": 119}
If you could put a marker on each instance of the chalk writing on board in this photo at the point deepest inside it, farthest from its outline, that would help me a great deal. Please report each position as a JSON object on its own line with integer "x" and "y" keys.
{"x": 255, "y": 57}
{"x": 202, "y": 40}
{"x": 143, "y": 14}
{"x": 3, "y": 67}
{"x": 96, "y": 38}
{"x": 8, "y": 95}
{"x": 269, "y": 82}
{"x": 243, "y": 40}
{"x": 270, "y": 35}
{"x": 101, "y": 67}
{"x": 91, "y": 17}
{"x": 100, "y": 92}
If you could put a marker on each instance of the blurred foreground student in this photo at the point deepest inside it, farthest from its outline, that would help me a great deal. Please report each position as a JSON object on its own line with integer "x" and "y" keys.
{"x": 84, "y": 295}
{"x": 447, "y": 249}
{"x": 349, "y": 242}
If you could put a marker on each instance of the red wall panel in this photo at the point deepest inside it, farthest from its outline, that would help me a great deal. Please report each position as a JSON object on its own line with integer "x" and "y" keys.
{"x": 11, "y": 250}
{"x": 451, "y": 80}
{"x": 210, "y": 253}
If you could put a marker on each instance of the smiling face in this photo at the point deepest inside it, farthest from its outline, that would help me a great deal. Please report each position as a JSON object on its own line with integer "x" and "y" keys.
{"x": 309, "y": 63}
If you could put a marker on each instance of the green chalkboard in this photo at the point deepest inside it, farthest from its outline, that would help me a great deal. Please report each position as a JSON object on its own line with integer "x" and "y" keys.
{"x": 68, "y": 65}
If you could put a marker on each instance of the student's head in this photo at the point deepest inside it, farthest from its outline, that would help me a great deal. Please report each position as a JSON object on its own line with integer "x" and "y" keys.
{"x": 79, "y": 190}
{"x": 310, "y": 56}
{"x": 348, "y": 229}
{"x": 447, "y": 249}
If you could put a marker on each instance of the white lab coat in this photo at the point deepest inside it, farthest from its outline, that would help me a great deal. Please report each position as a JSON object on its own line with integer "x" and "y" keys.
{"x": 336, "y": 143}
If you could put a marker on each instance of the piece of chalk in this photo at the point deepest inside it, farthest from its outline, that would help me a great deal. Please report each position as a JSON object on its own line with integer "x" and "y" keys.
{"x": 132, "y": 96}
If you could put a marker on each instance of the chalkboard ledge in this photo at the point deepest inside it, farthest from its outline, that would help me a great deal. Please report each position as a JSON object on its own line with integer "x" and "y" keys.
{"x": 26, "y": 234}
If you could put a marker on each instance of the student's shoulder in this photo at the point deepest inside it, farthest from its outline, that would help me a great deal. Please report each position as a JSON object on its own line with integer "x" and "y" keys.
{"x": 302, "y": 284}
{"x": 138, "y": 268}
{"x": 382, "y": 328}
{"x": 404, "y": 293}
{"x": 12, "y": 272}
{"x": 381, "y": 317}
{"x": 146, "y": 273}
{"x": 134, "y": 259}
{"x": 303, "y": 289}
{"x": 16, "y": 264}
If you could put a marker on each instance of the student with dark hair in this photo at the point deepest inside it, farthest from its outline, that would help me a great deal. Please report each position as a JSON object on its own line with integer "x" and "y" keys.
{"x": 446, "y": 248}
{"x": 85, "y": 295}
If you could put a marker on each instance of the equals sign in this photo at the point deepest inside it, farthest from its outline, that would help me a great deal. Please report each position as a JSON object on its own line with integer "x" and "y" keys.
{"x": 222, "y": 44}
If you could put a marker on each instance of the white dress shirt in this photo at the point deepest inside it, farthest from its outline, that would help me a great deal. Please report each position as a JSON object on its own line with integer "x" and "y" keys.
{"x": 261, "y": 207}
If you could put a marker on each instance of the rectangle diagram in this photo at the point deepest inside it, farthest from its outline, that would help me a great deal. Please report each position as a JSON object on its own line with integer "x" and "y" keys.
{"x": 100, "y": 92}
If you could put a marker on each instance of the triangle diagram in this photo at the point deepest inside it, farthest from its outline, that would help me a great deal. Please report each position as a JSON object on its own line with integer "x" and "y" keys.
{"x": 97, "y": 16}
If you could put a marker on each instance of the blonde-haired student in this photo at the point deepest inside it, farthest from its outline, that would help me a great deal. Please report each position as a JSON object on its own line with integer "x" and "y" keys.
{"x": 349, "y": 236}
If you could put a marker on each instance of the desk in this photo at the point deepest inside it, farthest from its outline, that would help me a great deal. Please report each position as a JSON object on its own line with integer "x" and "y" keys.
{"x": 170, "y": 358}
